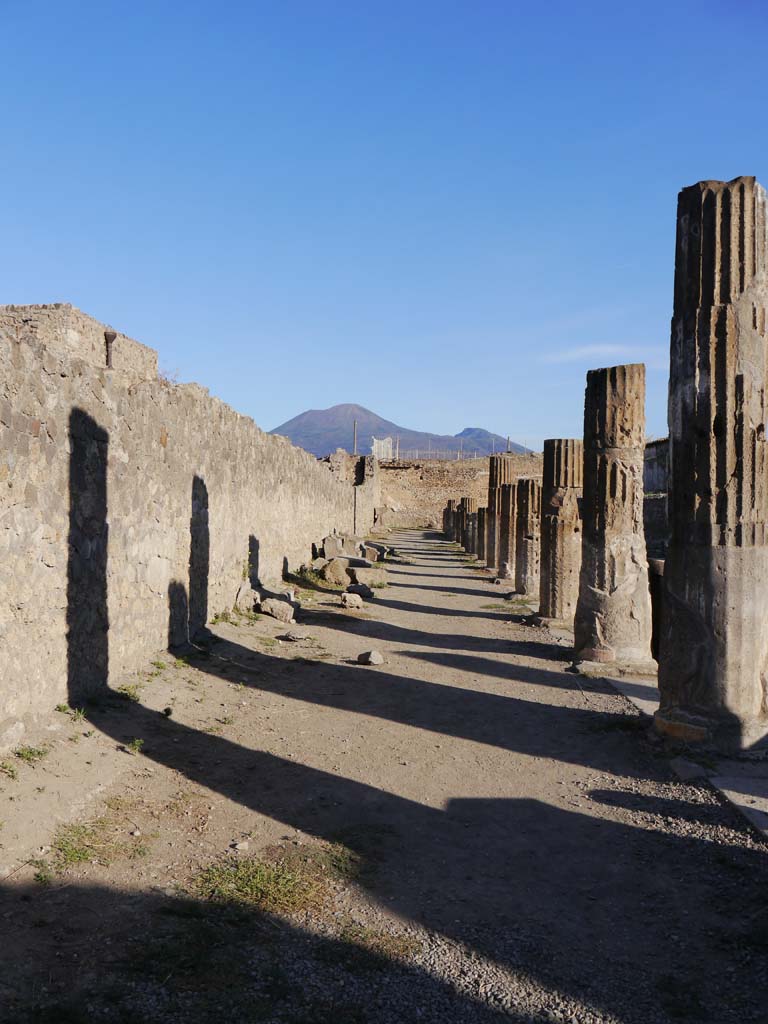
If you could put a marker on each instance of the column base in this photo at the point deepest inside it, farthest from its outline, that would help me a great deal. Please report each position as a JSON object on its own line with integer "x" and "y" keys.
{"x": 547, "y": 622}
{"x": 723, "y": 733}
{"x": 606, "y": 669}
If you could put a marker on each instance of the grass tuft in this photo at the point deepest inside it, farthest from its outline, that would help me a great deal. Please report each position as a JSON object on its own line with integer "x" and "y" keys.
{"x": 30, "y": 755}
{"x": 272, "y": 887}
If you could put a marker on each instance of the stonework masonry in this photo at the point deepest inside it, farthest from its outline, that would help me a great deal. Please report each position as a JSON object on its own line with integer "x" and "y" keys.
{"x": 527, "y": 537}
{"x": 416, "y": 492}
{"x": 613, "y": 612}
{"x": 713, "y": 669}
{"x": 131, "y": 510}
{"x": 560, "y": 530}
{"x": 361, "y": 473}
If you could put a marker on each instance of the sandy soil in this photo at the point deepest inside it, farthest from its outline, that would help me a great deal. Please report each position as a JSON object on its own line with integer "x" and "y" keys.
{"x": 514, "y": 843}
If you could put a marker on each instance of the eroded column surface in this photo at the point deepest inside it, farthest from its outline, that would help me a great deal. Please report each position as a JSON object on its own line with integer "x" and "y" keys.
{"x": 472, "y": 533}
{"x": 468, "y": 507}
{"x": 482, "y": 526}
{"x": 527, "y": 537}
{"x": 713, "y": 659}
{"x": 449, "y": 515}
{"x": 560, "y": 530}
{"x": 507, "y": 531}
{"x": 501, "y": 470}
{"x": 613, "y": 612}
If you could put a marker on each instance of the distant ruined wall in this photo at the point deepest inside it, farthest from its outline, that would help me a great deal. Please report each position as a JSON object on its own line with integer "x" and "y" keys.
{"x": 362, "y": 471}
{"x": 417, "y": 492}
{"x": 131, "y": 510}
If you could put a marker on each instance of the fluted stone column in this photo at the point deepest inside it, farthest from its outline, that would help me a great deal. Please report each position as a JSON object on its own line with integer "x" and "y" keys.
{"x": 501, "y": 470}
{"x": 449, "y": 515}
{"x": 560, "y": 531}
{"x": 458, "y": 523}
{"x": 481, "y": 533}
{"x": 527, "y": 537}
{"x": 507, "y": 531}
{"x": 468, "y": 507}
{"x": 613, "y": 613}
{"x": 713, "y": 665}
{"x": 472, "y": 533}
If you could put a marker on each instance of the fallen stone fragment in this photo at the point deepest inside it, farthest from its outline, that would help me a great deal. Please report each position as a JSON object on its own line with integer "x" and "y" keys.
{"x": 370, "y": 658}
{"x": 335, "y": 572}
{"x": 332, "y": 546}
{"x": 293, "y": 636}
{"x": 362, "y": 589}
{"x": 351, "y": 601}
{"x": 246, "y": 598}
{"x": 280, "y": 610}
{"x": 368, "y": 577}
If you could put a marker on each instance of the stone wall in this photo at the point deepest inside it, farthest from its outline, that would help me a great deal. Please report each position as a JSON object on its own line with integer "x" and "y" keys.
{"x": 131, "y": 510}
{"x": 417, "y": 492}
{"x": 656, "y": 466}
{"x": 362, "y": 471}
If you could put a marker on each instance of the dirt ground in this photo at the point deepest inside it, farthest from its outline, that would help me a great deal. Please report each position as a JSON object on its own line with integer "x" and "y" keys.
{"x": 262, "y": 830}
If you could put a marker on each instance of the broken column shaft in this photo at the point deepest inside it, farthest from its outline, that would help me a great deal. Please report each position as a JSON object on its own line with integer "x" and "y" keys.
{"x": 449, "y": 516}
{"x": 468, "y": 507}
{"x": 501, "y": 470}
{"x": 613, "y": 612}
{"x": 713, "y": 659}
{"x": 507, "y": 530}
{"x": 560, "y": 531}
{"x": 481, "y": 533}
{"x": 527, "y": 537}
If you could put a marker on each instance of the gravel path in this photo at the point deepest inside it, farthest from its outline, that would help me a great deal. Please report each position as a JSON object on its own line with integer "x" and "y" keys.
{"x": 522, "y": 850}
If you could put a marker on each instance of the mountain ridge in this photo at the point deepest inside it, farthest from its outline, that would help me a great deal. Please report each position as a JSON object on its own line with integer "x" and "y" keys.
{"x": 322, "y": 431}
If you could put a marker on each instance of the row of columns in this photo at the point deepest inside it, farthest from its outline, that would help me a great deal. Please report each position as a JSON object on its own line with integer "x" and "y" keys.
{"x": 513, "y": 531}
{"x": 584, "y": 523}
{"x": 576, "y": 538}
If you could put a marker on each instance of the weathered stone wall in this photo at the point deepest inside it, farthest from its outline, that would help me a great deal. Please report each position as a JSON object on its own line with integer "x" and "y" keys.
{"x": 362, "y": 472}
{"x": 63, "y": 328}
{"x": 417, "y": 492}
{"x": 656, "y": 466}
{"x": 130, "y": 509}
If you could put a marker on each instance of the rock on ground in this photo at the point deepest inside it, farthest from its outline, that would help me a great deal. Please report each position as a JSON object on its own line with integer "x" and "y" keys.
{"x": 280, "y": 610}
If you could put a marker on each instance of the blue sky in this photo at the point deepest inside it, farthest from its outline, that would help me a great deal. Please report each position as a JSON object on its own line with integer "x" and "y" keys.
{"x": 445, "y": 211}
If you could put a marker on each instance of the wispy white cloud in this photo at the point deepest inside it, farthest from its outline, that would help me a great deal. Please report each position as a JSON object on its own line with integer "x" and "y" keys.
{"x": 578, "y": 353}
{"x": 655, "y": 357}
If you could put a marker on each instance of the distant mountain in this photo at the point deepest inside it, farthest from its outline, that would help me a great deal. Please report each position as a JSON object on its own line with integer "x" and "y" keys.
{"x": 322, "y": 431}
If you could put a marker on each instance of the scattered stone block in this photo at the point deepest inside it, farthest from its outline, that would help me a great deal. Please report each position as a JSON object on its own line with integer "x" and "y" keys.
{"x": 370, "y": 658}
{"x": 332, "y": 546}
{"x": 280, "y": 610}
{"x": 351, "y": 601}
{"x": 246, "y": 598}
{"x": 369, "y": 577}
{"x": 361, "y": 590}
{"x": 335, "y": 572}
